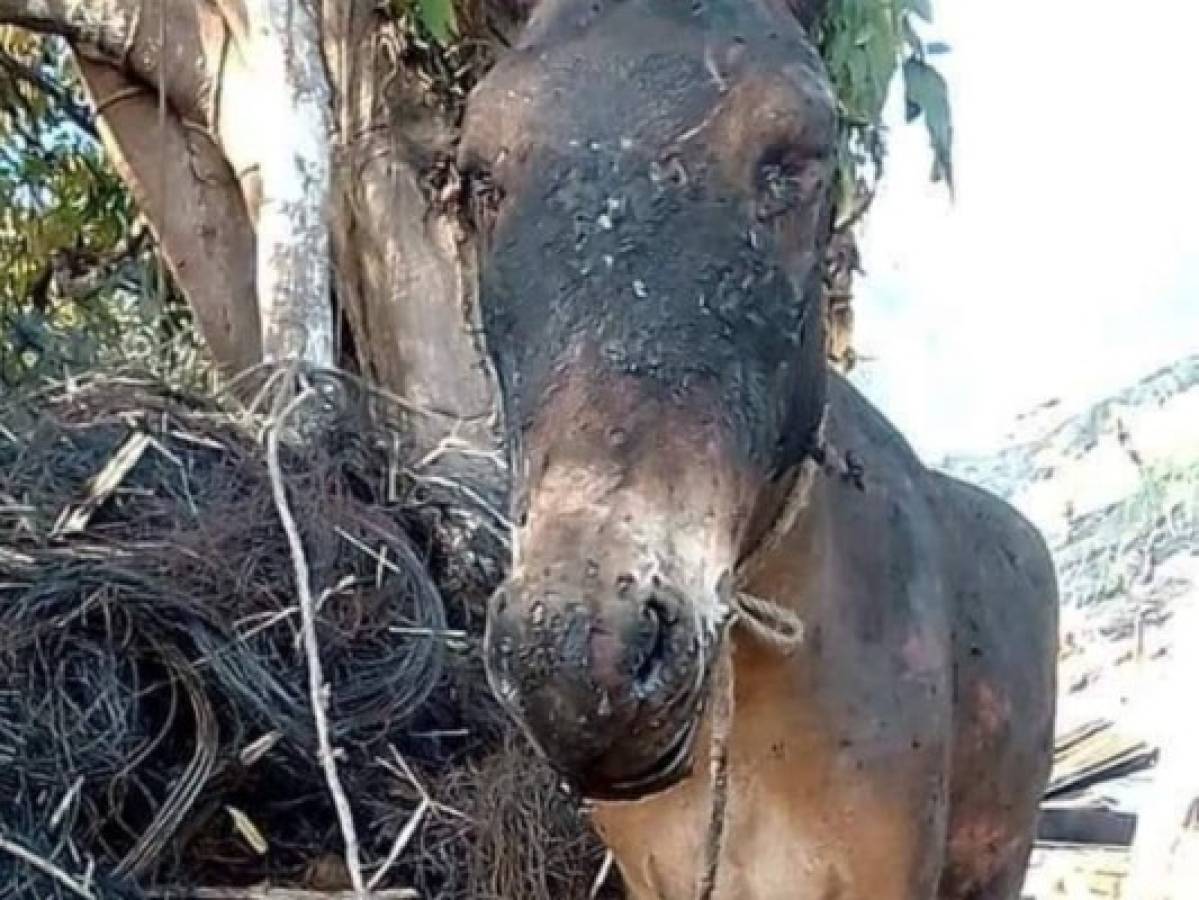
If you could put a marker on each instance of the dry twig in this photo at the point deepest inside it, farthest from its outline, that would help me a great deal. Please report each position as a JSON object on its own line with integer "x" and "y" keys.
{"x": 601, "y": 876}
{"x": 401, "y": 841}
{"x": 318, "y": 690}
{"x": 47, "y": 868}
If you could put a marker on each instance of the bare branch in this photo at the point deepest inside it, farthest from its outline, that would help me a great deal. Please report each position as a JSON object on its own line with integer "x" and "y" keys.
{"x": 401, "y": 842}
{"x": 103, "y": 28}
{"x": 201, "y": 226}
{"x": 47, "y": 868}
{"x": 601, "y": 876}
{"x": 318, "y": 689}
{"x": 39, "y": 17}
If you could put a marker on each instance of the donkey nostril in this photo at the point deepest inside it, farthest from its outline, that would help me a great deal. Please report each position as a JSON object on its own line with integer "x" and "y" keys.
{"x": 651, "y": 642}
{"x": 651, "y": 620}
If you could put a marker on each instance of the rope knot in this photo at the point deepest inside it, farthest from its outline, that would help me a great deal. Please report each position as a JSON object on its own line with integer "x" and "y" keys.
{"x": 768, "y": 622}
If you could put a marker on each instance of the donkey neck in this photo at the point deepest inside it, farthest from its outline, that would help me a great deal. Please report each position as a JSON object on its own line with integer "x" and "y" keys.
{"x": 782, "y": 551}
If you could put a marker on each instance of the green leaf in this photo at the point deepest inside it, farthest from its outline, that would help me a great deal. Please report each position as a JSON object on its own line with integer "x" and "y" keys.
{"x": 911, "y": 38}
{"x": 922, "y": 8}
{"x": 926, "y": 94}
{"x": 883, "y": 60}
{"x": 439, "y": 17}
{"x": 936, "y": 48}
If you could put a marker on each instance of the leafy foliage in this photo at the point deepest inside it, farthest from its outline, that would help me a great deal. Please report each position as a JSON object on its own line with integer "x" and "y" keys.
{"x": 864, "y": 44}
{"x": 439, "y": 17}
{"x": 927, "y": 94}
{"x": 78, "y": 276}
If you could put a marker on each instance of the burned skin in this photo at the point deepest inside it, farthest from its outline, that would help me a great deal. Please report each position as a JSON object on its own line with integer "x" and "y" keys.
{"x": 614, "y": 522}
{"x": 650, "y": 294}
{"x": 656, "y": 183}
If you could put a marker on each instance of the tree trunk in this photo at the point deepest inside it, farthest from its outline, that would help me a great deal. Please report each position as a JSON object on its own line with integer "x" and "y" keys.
{"x": 200, "y": 221}
{"x": 291, "y": 93}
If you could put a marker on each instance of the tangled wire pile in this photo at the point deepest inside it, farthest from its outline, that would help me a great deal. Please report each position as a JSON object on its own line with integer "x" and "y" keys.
{"x": 156, "y": 726}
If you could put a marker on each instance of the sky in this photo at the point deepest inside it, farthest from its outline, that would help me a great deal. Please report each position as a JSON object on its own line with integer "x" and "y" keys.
{"x": 1067, "y": 266}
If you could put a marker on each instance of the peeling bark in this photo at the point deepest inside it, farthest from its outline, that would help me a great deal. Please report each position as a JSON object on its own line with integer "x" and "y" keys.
{"x": 293, "y": 109}
{"x": 290, "y": 133}
{"x": 200, "y": 222}
{"x": 261, "y": 109}
{"x": 405, "y": 272}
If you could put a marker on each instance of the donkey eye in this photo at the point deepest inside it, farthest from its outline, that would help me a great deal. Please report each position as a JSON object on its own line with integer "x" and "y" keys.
{"x": 785, "y": 177}
{"x": 481, "y": 184}
{"x": 484, "y": 196}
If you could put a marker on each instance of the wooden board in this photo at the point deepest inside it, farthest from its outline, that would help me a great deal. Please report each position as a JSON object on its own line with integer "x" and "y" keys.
{"x": 1086, "y": 824}
{"x": 1093, "y": 753}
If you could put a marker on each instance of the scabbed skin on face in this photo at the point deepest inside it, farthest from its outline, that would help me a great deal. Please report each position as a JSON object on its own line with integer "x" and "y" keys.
{"x": 663, "y": 180}
{"x": 602, "y": 639}
{"x": 657, "y": 177}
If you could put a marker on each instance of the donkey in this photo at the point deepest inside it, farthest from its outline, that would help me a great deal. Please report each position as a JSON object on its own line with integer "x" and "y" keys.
{"x": 652, "y": 183}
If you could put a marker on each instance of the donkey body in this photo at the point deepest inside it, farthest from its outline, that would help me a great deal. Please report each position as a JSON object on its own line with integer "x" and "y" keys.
{"x": 652, "y": 182}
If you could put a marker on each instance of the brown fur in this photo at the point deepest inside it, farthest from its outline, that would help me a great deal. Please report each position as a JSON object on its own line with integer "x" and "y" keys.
{"x": 860, "y": 769}
{"x": 657, "y": 181}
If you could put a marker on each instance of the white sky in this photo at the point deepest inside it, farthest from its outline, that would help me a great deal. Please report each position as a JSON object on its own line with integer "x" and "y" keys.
{"x": 1069, "y": 264}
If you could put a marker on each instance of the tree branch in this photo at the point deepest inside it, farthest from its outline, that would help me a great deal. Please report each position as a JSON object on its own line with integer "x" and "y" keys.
{"x": 32, "y": 16}
{"x": 77, "y": 114}
{"x": 102, "y": 27}
{"x": 293, "y": 273}
{"x": 318, "y": 689}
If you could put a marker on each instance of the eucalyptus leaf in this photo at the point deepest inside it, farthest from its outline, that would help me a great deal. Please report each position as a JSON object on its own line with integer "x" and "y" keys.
{"x": 439, "y": 17}
{"x": 926, "y": 94}
{"x": 922, "y": 8}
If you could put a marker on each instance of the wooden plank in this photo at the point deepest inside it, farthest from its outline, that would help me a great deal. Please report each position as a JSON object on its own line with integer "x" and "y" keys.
{"x": 1089, "y": 824}
{"x": 1094, "y": 753}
